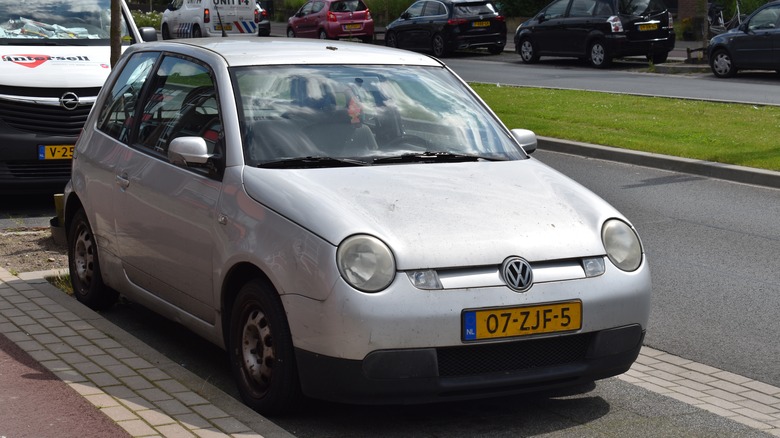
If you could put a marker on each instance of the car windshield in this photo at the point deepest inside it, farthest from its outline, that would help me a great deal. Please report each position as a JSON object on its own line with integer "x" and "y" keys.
{"x": 367, "y": 113}
{"x": 641, "y": 7}
{"x": 66, "y": 22}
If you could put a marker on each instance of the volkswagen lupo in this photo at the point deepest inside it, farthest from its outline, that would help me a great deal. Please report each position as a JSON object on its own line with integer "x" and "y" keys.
{"x": 350, "y": 222}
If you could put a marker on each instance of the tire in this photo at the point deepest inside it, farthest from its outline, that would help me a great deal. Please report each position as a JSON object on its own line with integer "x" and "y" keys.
{"x": 598, "y": 55}
{"x": 262, "y": 358}
{"x": 84, "y": 266}
{"x": 527, "y": 51}
{"x": 290, "y": 32}
{"x": 437, "y": 46}
{"x": 495, "y": 50}
{"x": 166, "y": 33}
{"x": 391, "y": 40}
{"x": 196, "y": 33}
{"x": 323, "y": 35}
{"x": 658, "y": 58}
{"x": 722, "y": 65}
{"x": 368, "y": 39}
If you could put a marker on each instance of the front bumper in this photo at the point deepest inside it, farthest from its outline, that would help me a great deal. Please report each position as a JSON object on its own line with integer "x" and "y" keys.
{"x": 21, "y": 170}
{"x": 471, "y": 371}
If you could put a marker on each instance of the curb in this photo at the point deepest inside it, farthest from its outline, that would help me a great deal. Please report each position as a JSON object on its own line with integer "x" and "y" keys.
{"x": 741, "y": 174}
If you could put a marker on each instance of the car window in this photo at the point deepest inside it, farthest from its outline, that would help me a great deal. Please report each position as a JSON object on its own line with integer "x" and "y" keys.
{"x": 556, "y": 9}
{"x": 640, "y": 7}
{"x": 603, "y": 8}
{"x": 305, "y": 9}
{"x": 434, "y": 9}
{"x": 362, "y": 112}
{"x": 471, "y": 9}
{"x": 415, "y": 10}
{"x": 183, "y": 102}
{"x": 117, "y": 117}
{"x": 765, "y": 19}
{"x": 582, "y": 8}
{"x": 317, "y": 6}
{"x": 348, "y": 6}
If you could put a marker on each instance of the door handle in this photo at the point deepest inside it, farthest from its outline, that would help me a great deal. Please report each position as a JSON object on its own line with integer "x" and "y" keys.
{"x": 122, "y": 181}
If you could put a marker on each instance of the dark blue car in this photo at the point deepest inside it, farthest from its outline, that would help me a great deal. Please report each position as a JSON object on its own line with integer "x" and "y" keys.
{"x": 755, "y": 44}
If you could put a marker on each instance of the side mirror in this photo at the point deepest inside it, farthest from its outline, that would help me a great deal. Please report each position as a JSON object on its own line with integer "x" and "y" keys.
{"x": 406, "y": 15}
{"x": 541, "y": 18}
{"x": 170, "y": 7}
{"x": 185, "y": 151}
{"x": 148, "y": 34}
{"x": 526, "y": 139}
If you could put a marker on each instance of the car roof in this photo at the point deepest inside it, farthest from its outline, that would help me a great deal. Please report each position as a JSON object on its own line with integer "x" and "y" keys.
{"x": 251, "y": 50}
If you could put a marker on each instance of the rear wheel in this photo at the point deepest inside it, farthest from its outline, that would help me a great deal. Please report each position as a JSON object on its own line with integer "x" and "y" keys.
{"x": 196, "y": 33}
{"x": 495, "y": 50}
{"x": 261, "y": 350}
{"x": 722, "y": 65}
{"x": 323, "y": 35}
{"x": 437, "y": 46}
{"x": 598, "y": 55}
{"x": 84, "y": 265}
{"x": 658, "y": 58}
{"x": 527, "y": 51}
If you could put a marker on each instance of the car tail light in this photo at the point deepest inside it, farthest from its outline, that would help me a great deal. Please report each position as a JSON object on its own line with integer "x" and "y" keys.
{"x": 615, "y": 24}
{"x": 332, "y": 17}
{"x": 500, "y": 18}
{"x": 671, "y": 20}
{"x": 259, "y": 15}
{"x": 456, "y": 21}
{"x": 368, "y": 14}
{"x": 206, "y": 16}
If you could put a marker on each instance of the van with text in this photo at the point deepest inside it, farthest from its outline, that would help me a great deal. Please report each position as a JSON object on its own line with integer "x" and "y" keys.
{"x": 207, "y": 18}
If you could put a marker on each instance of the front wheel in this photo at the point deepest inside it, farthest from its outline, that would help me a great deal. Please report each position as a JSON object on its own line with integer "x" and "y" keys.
{"x": 290, "y": 32}
{"x": 262, "y": 358}
{"x": 391, "y": 40}
{"x": 722, "y": 65}
{"x": 527, "y": 51}
{"x": 84, "y": 265}
{"x": 598, "y": 55}
{"x": 166, "y": 34}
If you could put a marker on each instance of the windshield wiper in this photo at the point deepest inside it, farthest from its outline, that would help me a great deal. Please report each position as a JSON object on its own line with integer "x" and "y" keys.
{"x": 311, "y": 162}
{"x": 433, "y": 157}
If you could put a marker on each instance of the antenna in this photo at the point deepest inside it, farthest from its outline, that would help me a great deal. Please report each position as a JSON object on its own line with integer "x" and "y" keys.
{"x": 219, "y": 18}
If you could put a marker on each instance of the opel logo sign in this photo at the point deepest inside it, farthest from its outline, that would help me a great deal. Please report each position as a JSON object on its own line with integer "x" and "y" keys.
{"x": 517, "y": 274}
{"x": 69, "y": 101}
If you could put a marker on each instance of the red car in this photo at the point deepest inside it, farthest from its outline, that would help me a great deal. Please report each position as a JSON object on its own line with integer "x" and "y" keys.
{"x": 332, "y": 19}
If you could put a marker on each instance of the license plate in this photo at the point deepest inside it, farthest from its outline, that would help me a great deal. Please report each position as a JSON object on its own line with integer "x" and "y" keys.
{"x": 353, "y": 26}
{"x": 521, "y": 321}
{"x": 226, "y": 26}
{"x": 480, "y": 24}
{"x": 55, "y": 152}
{"x": 652, "y": 26}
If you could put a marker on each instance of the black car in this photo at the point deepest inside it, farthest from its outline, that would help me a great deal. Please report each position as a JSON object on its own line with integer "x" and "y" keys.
{"x": 755, "y": 44}
{"x": 598, "y": 31}
{"x": 443, "y": 26}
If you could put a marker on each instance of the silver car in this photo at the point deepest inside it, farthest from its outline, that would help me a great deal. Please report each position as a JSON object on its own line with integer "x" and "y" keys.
{"x": 350, "y": 222}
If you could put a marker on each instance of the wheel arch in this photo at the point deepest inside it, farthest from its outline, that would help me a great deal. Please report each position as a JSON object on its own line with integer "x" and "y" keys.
{"x": 237, "y": 276}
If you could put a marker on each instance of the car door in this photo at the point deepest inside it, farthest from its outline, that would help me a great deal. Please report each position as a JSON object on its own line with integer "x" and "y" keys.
{"x": 301, "y": 20}
{"x": 164, "y": 213}
{"x": 548, "y": 31}
{"x": 174, "y": 17}
{"x": 758, "y": 46}
{"x": 406, "y": 26}
{"x": 576, "y": 27}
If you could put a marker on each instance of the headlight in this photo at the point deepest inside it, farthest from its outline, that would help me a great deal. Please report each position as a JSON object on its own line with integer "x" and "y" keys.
{"x": 366, "y": 263}
{"x": 622, "y": 245}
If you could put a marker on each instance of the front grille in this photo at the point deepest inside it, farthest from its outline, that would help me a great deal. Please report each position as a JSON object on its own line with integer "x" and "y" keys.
{"x": 44, "y": 119}
{"x": 35, "y": 170}
{"x": 469, "y": 360}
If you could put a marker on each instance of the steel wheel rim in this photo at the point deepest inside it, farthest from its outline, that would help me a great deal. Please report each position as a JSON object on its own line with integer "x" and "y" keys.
{"x": 438, "y": 45}
{"x": 84, "y": 257}
{"x": 527, "y": 50}
{"x": 257, "y": 354}
{"x": 722, "y": 64}
{"x": 597, "y": 54}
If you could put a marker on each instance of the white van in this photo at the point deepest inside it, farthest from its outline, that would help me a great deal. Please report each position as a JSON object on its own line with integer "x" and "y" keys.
{"x": 206, "y": 18}
{"x": 54, "y": 57}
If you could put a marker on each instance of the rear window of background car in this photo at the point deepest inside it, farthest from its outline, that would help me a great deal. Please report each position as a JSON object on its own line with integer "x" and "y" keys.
{"x": 640, "y": 7}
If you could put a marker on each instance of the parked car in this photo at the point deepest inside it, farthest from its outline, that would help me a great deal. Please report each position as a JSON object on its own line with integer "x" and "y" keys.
{"x": 755, "y": 44}
{"x": 443, "y": 26}
{"x": 598, "y": 31}
{"x": 350, "y": 222}
{"x": 262, "y": 20}
{"x": 56, "y": 56}
{"x": 332, "y": 19}
{"x": 198, "y": 18}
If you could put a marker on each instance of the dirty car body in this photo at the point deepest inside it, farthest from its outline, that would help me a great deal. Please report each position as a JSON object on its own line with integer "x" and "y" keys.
{"x": 351, "y": 223}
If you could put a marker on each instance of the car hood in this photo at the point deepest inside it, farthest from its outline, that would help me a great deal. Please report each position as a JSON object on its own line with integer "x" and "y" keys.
{"x": 442, "y": 215}
{"x": 55, "y": 66}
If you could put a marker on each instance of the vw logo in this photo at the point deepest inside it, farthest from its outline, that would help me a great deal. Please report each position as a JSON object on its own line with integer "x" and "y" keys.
{"x": 69, "y": 101}
{"x": 517, "y": 274}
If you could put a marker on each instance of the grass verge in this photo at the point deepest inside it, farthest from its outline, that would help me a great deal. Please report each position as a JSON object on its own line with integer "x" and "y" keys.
{"x": 739, "y": 134}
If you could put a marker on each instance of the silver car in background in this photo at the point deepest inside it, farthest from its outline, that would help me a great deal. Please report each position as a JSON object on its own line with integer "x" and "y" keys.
{"x": 351, "y": 223}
